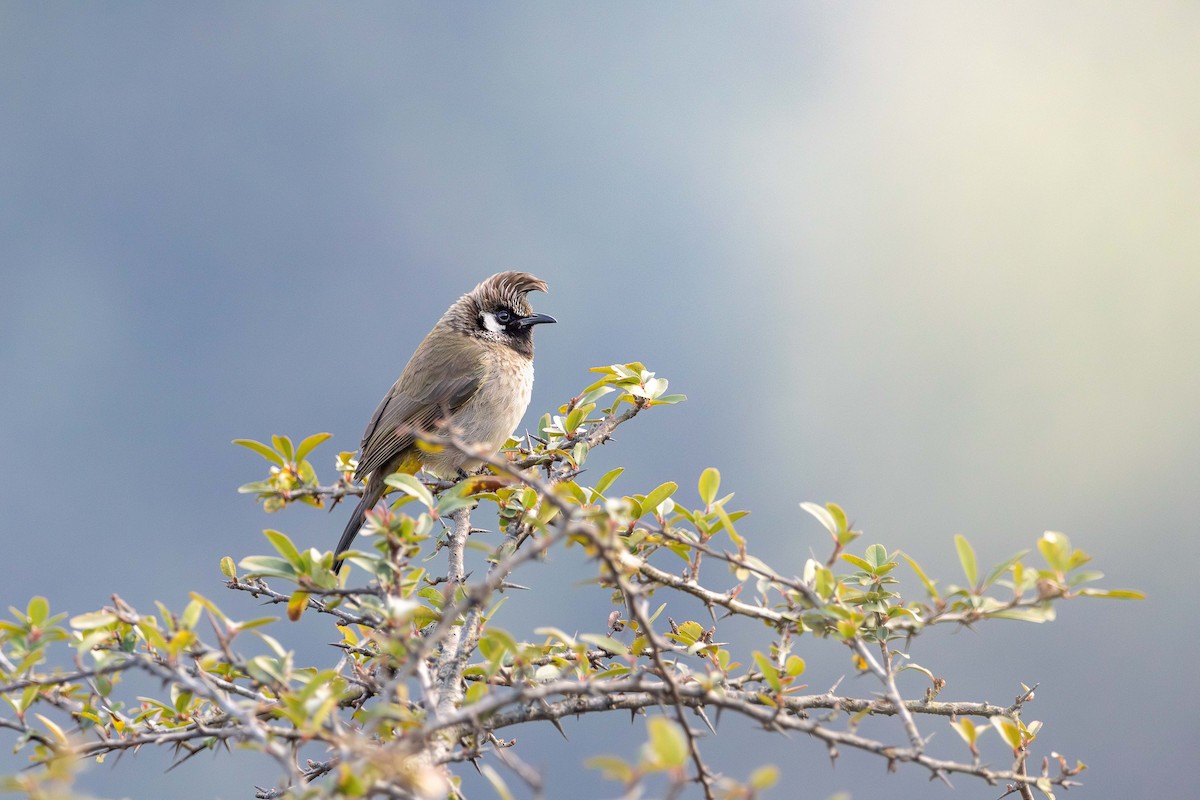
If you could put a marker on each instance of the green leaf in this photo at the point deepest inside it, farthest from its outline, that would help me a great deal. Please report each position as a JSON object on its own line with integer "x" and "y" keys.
{"x": 495, "y": 643}
{"x": 259, "y": 622}
{"x": 267, "y": 670}
{"x": 728, "y": 523}
{"x": 768, "y": 670}
{"x": 1045, "y": 787}
{"x": 27, "y": 698}
{"x": 498, "y": 784}
{"x": 475, "y": 692}
{"x": 710, "y": 482}
{"x": 191, "y": 615}
{"x": 284, "y": 445}
{"x": 151, "y": 633}
{"x": 92, "y": 619}
{"x": 296, "y": 605}
{"x": 862, "y": 564}
{"x": 923, "y": 670}
{"x": 1039, "y": 614}
{"x": 262, "y": 449}
{"x": 658, "y": 495}
{"x": 667, "y": 745}
{"x": 575, "y": 417}
{"x": 58, "y": 732}
{"x": 570, "y": 490}
{"x": 207, "y": 604}
{"x": 546, "y": 512}
{"x": 611, "y": 767}
{"x": 823, "y": 580}
{"x": 968, "y": 730}
{"x": 228, "y": 569}
{"x": 591, "y": 395}
{"x": 839, "y": 517}
{"x": 1000, "y": 569}
{"x": 556, "y": 633}
{"x": 309, "y": 444}
{"x": 966, "y": 555}
{"x": 669, "y": 399}
{"x": 1112, "y": 594}
{"x": 607, "y": 480}
{"x": 1087, "y": 576}
{"x": 1055, "y": 547}
{"x": 284, "y": 545}
{"x": 37, "y": 610}
{"x": 764, "y": 777}
{"x": 930, "y": 586}
{"x": 454, "y": 498}
{"x": 689, "y": 632}
{"x": 605, "y": 643}
{"x": 1009, "y": 732}
{"x": 877, "y": 555}
{"x": 267, "y": 566}
{"x": 655, "y": 387}
{"x": 823, "y": 516}
{"x": 409, "y": 485}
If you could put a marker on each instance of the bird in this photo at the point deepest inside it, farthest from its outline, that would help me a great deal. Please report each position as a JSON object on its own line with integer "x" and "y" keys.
{"x": 471, "y": 376}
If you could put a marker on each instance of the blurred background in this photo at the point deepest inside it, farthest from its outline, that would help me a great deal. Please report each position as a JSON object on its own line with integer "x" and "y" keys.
{"x": 937, "y": 262}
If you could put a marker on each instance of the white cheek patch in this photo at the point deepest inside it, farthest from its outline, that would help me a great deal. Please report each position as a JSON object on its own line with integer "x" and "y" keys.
{"x": 490, "y": 322}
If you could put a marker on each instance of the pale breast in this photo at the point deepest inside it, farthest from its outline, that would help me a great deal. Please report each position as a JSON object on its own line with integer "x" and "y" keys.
{"x": 490, "y": 417}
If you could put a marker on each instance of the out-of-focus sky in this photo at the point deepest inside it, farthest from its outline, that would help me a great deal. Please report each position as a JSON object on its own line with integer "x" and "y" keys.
{"x": 937, "y": 262}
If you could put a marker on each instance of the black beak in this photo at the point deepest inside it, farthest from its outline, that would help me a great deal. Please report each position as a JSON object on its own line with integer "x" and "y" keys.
{"x": 534, "y": 319}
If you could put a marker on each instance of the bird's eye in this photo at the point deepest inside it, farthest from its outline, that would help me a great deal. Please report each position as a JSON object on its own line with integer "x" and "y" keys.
{"x": 504, "y": 316}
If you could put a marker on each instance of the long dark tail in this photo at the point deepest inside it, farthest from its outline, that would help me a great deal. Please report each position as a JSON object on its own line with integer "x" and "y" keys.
{"x": 370, "y": 497}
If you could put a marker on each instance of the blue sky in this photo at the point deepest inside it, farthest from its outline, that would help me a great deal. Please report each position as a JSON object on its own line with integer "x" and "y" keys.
{"x": 935, "y": 262}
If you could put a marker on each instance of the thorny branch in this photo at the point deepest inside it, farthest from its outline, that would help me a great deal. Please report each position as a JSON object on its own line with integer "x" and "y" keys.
{"x": 417, "y": 690}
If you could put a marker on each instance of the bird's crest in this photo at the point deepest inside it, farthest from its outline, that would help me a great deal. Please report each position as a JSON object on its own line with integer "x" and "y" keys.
{"x": 508, "y": 289}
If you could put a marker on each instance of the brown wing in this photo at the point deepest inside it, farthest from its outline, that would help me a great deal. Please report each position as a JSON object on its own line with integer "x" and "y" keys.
{"x": 430, "y": 388}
